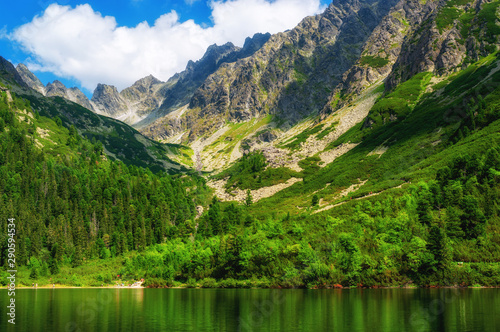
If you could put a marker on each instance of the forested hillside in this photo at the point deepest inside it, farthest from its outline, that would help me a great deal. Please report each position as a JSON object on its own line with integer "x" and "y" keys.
{"x": 71, "y": 203}
{"x": 76, "y": 211}
{"x": 395, "y": 182}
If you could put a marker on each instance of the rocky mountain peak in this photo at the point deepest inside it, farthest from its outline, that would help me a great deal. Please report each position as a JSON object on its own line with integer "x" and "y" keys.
{"x": 293, "y": 74}
{"x": 108, "y": 101}
{"x": 30, "y": 79}
{"x": 10, "y": 73}
{"x": 55, "y": 88}
{"x": 314, "y": 68}
{"x": 254, "y": 43}
{"x": 58, "y": 89}
{"x": 149, "y": 98}
{"x": 211, "y": 60}
{"x": 147, "y": 82}
{"x": 104, "y": 89}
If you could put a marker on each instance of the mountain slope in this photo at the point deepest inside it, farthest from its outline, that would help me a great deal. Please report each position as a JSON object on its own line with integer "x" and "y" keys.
{"x": 395, "y": 182}
{"x": 290, "y": 77}
{"x": 411, "y": 147}
{"x": 9, "y": 74}
{"x": 362, "y": 110}
{"x": 70, "y": 201}
{"x": 30, "y": 79}
{"x": 148, "y": 99}
{"x": 54, "y": 89}
{"x": 119, "y": 141}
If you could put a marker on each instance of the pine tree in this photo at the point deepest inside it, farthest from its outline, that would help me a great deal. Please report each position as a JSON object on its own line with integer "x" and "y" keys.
{"x": 473, "y": 219}
{"x": 437, "y": 245}
{"x": 249, "y": 198}
{"x": 34, "y": 273}
{"x": 453, "y": 223}
{"x": 315, "y": 200}
{"x": 214, "y": 216}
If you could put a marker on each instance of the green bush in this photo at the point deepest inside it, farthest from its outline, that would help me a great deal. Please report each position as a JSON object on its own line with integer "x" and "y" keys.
{"x": 374, "y": 61}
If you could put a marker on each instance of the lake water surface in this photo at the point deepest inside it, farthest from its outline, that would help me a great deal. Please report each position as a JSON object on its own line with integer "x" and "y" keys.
{"x": 253, "y": 310}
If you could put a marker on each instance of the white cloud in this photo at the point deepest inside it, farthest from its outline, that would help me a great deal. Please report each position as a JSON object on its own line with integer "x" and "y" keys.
{"x": 82, "y": 44}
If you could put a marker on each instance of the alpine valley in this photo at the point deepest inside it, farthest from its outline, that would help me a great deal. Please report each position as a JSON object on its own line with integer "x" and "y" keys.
{"x": 360, "y": 148}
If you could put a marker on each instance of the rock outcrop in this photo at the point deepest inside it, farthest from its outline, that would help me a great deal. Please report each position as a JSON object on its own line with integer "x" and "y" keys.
{"x": 9, "y": 73}
{"x": 54, "y": 89}
{"x": 149, "y": 99}
{"x": 291, "y": 76}
{"x": 107, "y": 101}
{"x": 30, "y": 79}
{"x": 452, "y": 35}
{"x": 57, "y": 89}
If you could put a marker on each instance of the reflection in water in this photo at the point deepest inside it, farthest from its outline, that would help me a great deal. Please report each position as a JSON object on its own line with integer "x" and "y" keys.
{"x": 254, "y": 310}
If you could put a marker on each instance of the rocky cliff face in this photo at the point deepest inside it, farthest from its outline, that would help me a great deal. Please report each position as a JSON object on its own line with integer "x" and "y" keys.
{"x": 54, "y": 89}
{"x": 30, "y": 79}
{"x": 131, "y": 105}
{"x": 57, "y": 89}
{"x": 9, "y": 73}
{"x": 291, "y": 76}
{"x": 149, "y": 99}
{"x": 107, "y": 101}
{"x": 416, "y": 36}
{"x": 185, "y": 84}
{"x": 381, "y": 50}
{"x": 143, "y": 96}
{"x": 453, "y": 35}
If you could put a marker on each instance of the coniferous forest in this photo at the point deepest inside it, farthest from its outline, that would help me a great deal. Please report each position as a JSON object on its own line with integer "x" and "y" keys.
{"x": 88, "y": 220}
{"x": 359, "y": 149}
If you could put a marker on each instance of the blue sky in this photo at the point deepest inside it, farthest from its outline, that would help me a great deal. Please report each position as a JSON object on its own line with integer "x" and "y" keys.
{"x": 83, "y": 43}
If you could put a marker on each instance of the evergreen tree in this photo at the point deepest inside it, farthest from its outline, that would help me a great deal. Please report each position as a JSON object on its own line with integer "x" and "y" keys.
{"x": 34, "y": 273}
{"x": 473, "y": 219}
{"x": 249, "y": 198}
{"x": 453, "y": 223}
{"x": 437, "y": 245}
{"x": 315, "y": 200}
{"x": 214, "y": 216}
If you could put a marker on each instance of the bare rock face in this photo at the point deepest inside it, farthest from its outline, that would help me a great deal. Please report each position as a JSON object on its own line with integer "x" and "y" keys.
{"x": 381, "y": 50}
{"x": 444, "y": 43}
{"x": 10, "y": 74}
{"x": 108, "y": 101}
{"x": 57, "y": 89}
{"x": 54, "y": 89}
{"x": 132, "y": 104}
{"x": 77, "y": 96}
{"x": 292, "y": 75}
{"x": 148, "y": 99}
{"x": 143, "y": 96}
{"x": 418, "y": 36}
{"x": 30, "y": 79}
{"x": 183, "y": 85}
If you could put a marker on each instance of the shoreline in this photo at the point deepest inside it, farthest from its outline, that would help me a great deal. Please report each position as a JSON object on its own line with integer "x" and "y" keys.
{"x": 274, "y": 288}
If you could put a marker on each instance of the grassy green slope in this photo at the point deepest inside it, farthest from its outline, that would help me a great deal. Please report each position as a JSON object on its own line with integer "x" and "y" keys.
{"x": 121, "y": 141}
{"x": 418, "y": 143}
{"x": 426, "y": 213}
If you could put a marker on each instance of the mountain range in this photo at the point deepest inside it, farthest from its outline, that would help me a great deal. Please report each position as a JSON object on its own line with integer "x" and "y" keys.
{"x": 277, "y": 86}
{"x": 361, "y": 148}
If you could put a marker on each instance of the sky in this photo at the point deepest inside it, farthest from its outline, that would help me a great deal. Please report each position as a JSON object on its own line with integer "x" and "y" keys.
{"x": 117, "y": 42}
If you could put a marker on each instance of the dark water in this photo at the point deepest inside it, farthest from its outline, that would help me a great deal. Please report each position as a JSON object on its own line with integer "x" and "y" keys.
{"x": 253, "y": 310}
